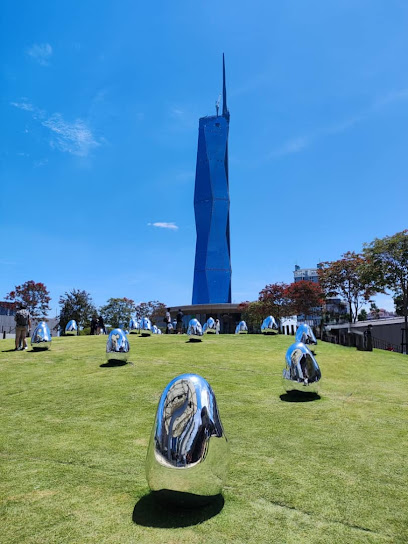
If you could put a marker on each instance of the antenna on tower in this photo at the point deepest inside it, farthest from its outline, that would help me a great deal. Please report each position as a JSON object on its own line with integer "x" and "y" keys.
{"x": 217, "y": 104}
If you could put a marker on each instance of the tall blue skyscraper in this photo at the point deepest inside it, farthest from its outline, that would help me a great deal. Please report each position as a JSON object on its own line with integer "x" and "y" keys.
{"x": 212, "y": 270}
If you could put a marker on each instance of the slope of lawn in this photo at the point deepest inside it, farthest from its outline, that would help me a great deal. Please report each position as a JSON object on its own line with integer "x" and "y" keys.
{"x": 74, "y": 436}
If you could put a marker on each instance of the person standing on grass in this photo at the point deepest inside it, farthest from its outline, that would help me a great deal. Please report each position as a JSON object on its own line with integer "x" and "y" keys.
{"x": 168, "y": 321}
{"x": 179, "y": 321}
{"x": 23, "y": 323}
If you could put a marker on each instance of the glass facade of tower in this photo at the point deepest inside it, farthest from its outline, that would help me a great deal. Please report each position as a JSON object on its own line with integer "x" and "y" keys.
{"x": 212, "y": 271}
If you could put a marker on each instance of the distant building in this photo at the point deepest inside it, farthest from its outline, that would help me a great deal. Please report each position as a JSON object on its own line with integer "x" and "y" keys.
{"x": 306, "y": 274}
{"x": 7, "y": 308}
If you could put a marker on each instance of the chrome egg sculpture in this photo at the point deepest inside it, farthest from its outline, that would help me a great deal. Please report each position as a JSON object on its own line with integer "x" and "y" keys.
{"x": 134, "y": 326}
{"x": 211, "y": 327}
{"x": 305, "y": 335}
{"x": 195, "y": 330}
{"x": 72, "y": 328}
{"x": 241, "y": 328}
{"x": 117, "y": 346}
{"x": 41, "y": 337}
{"x": 145, "y": 327}
{"x": 302, "y": 373}
{"x": 188, "y": 450}
{"x": 154, "y": 329}
{"x": 269, "y": 325}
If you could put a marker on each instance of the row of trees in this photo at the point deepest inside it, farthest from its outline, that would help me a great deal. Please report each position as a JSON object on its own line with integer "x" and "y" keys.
{"x": 381, "y": 267}
{"x": 282, "y": 300}
{"x": 78, "y": 304}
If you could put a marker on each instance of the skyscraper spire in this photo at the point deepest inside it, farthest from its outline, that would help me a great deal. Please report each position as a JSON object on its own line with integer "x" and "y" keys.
{"x": 225, "y": 112}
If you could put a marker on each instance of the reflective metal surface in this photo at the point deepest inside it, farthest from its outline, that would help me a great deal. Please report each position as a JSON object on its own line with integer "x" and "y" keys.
{"x": 145, "y": 327}
{"x": 41, "y": 337}
{"x": 195, "y": 330}
{"x": 302, "y": 373}
{"x": 117, "y": 346}
{"x": 210, "y": 326}
{"x": 188, "y": 450}
{"x": 269, "y": 325}
{"x": 72, "y": 328}
{"x": 241, "y": 328}
{"x": 305, "y": 335}
{"x": 134, "y": 326}
{"x": 154, "y": 329}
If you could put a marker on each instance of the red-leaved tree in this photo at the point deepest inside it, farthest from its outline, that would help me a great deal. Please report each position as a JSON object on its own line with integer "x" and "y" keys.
{"x": 274, "y": 300}
{"x": 306, "y": 297}
{"x": 34, "y": 295}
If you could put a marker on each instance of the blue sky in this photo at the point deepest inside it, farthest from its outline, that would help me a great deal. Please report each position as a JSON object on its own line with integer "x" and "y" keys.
{"x": 100, "y": 104}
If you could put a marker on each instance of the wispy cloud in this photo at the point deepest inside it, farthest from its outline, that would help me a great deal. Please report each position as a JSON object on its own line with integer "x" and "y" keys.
{"x": 176, "y": 112}
{"x": 40, "y": 52}
{"x": 291, "y": 146}
{"x": 70, "y": 137}
{"x": 295, "y": 145}
{"x": 26, "y": 106}
{"x": 75, "y": 137}
{"x": 171, "y": 226}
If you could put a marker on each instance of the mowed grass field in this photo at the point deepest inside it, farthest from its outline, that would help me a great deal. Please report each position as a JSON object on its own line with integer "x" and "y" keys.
{"x": 74, "y": 437}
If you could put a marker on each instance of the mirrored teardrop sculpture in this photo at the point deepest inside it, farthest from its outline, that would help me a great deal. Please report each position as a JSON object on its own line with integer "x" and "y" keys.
{"x": 241, "y": 328}
{"x": 305, "y": 335}
{"x": 154, "y": 329}
{"x": 117, "y": 346}
{"x": 145, "y": 327}
{"x": 301, "y": 373}
{"x": 134, "y": 326}
{"x": 41, "y": 337}
{"x": 72, "y": 328}
{"x": 269, "y": 325}
{"x": 188, "y": 450}
{"x": 211, "y": 328}
{"x": 195, "y": 330}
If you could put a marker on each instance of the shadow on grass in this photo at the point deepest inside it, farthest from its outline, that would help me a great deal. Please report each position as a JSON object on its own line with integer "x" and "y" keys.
{"x": 300, "y": 396}
{"x": 172, "y": 509}
{"x": 193, "y": 340}
{"x": 7, "y": 350}
{"x": 112, "y": 364}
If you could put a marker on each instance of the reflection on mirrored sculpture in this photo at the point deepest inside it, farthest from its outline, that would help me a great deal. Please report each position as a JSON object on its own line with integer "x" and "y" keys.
{"x": 117, "y": 346}
{"x": 72, "y": 328}
{"x": 145, "y": 327}
{"x": 188, "y": 450}
{"x": 302, "y": 373}
{"x": 210, "y": 328}
{"x": 154, "y": 329}
{"x": 41, "y": 337}
{"x": 134, "y": 326}
{"x": 241, "y": 328}
{"x": 269, "y": 325}
{"x": 195, "y": 330}
{"x": 305, "y": 335}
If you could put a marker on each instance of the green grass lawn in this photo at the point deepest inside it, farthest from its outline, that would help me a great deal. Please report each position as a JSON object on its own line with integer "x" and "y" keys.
{"x": 74, "y": 437}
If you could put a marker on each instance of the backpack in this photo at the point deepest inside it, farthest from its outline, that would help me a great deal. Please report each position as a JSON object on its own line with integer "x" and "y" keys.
{"x": 22, "y": 318}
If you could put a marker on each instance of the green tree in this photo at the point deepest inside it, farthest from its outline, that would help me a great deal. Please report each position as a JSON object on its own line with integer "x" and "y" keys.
{"x": 387, "y": 266}
{"x": 153, "y": 309}
{"x": 118, "y": 311}
{"x": 348, "y": 279}
{"x": 76, "y": 304}
{"x": 362, "y": 316}
{"x": 34, "y": 295}
{"x": 253, "y": 313}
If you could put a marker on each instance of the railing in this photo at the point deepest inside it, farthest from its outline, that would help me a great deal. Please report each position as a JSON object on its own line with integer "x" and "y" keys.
{"x": 379, "y": 343}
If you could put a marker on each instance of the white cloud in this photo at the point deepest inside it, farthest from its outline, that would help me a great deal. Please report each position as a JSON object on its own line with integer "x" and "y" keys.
{"x": 75, "y": 137}
{"x": 26, "y": 106}
{"x": 171, "y": 226}
{"x": 291, "y": 146}
{"x": 71, "y": 137}
{"x": 40, "y": 52}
